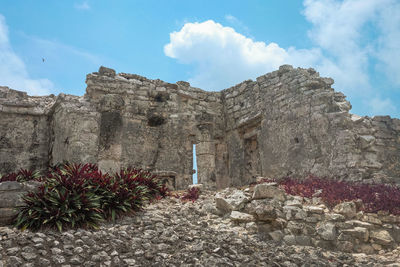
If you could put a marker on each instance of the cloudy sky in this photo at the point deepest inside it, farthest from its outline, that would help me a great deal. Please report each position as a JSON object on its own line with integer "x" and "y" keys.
{"x": 49, "y": 46}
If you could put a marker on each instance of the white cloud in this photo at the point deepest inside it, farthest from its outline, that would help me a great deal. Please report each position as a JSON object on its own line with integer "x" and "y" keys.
{"x": 13, "y": 71}
{"x": 82, "y": 6}
{"x": 389, "y": 42}
{"x": 224, "y": 57}
{"x": 344, "y": 47}
{"x": 339, "y": 30}
{"x": 342, "y": 29}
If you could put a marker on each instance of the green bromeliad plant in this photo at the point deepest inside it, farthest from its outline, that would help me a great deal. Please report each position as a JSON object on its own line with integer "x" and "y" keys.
{"x": 74, "y": 195}
{"x": 66, "y": 199}
{"x": 58, "y": 206}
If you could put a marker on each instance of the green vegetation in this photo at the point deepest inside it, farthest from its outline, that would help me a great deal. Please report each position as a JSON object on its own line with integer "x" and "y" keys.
{"x": 75, "y": 195}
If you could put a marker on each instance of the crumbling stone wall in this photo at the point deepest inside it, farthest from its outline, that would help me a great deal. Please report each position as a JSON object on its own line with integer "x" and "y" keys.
{"x": 294, "y": 220}
{"x": 295, "y": 123}
{"x": 128, "y": 120}
{"x": 288, "y": 122}
{"x": 24, "y": 130}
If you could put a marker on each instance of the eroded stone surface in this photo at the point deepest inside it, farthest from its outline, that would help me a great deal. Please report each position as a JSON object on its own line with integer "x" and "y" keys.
{"x": 297, "y": 221}
{"x": 289, "y": 121}
{"x": 11, "y": 194}
{"x": 228, "y": 201}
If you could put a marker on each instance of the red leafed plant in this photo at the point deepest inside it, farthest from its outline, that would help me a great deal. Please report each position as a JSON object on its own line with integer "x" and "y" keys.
{"x": 76, "y": 195}
{"x": 191, "y": 194}
{"x": 22, "y": 175}
{"x": 375, "y": 197}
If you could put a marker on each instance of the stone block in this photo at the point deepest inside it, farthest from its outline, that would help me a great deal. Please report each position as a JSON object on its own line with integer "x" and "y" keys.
{"x": 359, "y": 224}
{"x": 366, "y": 141}
{"x": 294, "y": 202}
{"x": 314, "y": 209}
{"x": 106, "y": 71}
{"x": 10, "y": 199}
{"x": 372, "y": 218}
{"x": 239, "y": 217}
{"x": 11, "y": 186}
{"x": 263, "y": 210}
{"x": 303, "y": 240}
{"x": 6, "y": 216}
{"x": 345, "y": 246}
{"x": 31, "y": 186}
{"x": 290, "y": 240}
{"x": 235, "y": 201}
{"x": 327, "y": 231}
{"x": 366, "y": 248}
{"x": 347, "y": 209}
{"x": 325, "y": 244}
{"x": 251, "y": 227}
{"x": 269, "y": 190}
{"x": 395, "y": 233}
{"x": 263, "y": 227}
{"x": 295, "y": 227}
{"x": 301, "y": 215}
{"x": 334, "y": 217}
{"x": 381, "y": 237}
{"x": 359, "y": 233}
{"x": 276, "y": 235}
{"x": 290, "y": 211}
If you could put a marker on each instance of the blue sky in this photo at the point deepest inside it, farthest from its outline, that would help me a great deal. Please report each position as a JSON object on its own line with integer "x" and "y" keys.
{"x": 212, "y": 44}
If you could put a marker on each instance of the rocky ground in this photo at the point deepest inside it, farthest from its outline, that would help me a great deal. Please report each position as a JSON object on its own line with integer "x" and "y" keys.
{"x": 169, "y": 233}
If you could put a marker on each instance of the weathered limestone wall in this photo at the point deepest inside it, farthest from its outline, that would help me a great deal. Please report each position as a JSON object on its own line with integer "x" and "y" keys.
{"x": 288, "y": 122}
{"x": 128, "y": 120}
{"x": 24, "y": 130}
{"x": 74, "y": 130}
{"x": 291, "y": 122}
{"x": 11, "y": 194}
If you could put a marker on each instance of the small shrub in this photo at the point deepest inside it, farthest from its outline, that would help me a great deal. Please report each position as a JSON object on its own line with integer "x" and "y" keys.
{"x": 156, "y": 187}
{"x": 191, "y": 194}
{"x": 121, "y": 194}
{"x": 75, "y": 195}
{"x": 65, "y": 200}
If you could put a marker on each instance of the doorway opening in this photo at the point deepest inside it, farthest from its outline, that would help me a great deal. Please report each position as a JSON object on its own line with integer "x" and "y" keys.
{"x": 194, "y": 175}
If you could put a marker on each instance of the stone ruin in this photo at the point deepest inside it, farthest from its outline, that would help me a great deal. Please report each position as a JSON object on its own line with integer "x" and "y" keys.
{"x": 294, "y": 220}
{"x": 287, "y": 122}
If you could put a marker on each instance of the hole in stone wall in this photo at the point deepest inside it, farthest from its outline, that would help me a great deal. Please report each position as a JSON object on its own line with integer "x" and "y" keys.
{"x": 296, "y": 140}
{"x": 159, "y": 98}
{"x": 194, "y": 175}
{"x": 155, "y": 120}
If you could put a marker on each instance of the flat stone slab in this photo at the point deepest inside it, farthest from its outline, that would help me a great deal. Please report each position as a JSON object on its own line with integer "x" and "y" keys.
{"x": 241, "y": 217}
{"x": 268, "y": 190}
{"x": 11, "y": 185}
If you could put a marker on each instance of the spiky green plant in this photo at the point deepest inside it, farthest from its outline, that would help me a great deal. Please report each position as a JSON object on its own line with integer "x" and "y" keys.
{"x": 75, "y": 195}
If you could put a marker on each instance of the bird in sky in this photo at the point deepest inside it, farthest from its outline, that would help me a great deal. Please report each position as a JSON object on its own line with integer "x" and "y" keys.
{"x": 42, "y": 59}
